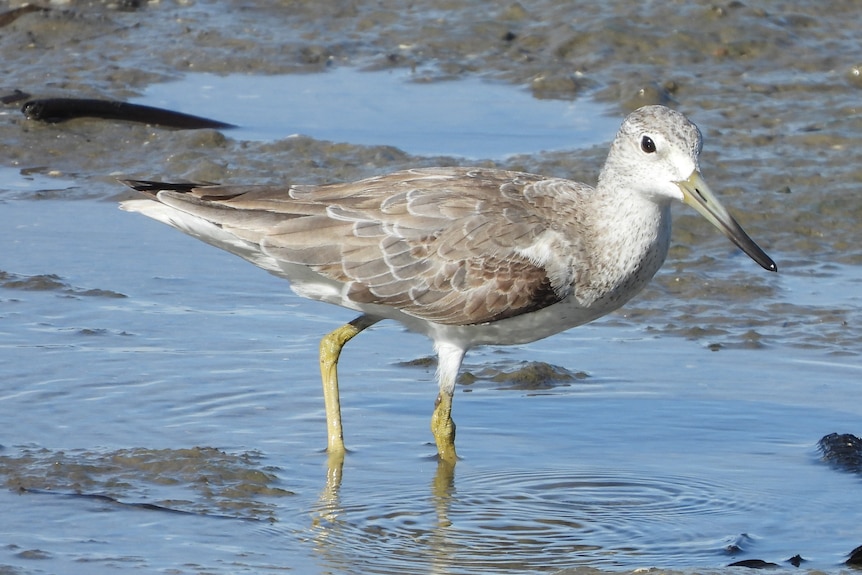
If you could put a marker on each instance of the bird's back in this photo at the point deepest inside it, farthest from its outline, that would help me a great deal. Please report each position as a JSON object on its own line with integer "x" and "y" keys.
{"x": 450, "y": 246}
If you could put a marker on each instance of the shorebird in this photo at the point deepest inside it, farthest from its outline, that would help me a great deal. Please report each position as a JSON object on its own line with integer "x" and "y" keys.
{"x": 466, "y": 256}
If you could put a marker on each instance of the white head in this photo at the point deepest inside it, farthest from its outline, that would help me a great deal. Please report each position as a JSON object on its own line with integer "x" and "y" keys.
{"x": 655, "y": 148}
{"x": 655, "y": 154}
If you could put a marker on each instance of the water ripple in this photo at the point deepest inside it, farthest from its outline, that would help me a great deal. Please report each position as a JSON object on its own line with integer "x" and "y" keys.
{"x": 511, "y": 522}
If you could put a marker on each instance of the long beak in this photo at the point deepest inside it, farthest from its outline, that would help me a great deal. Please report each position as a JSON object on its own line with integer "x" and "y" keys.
{"x": 698, "y": 195}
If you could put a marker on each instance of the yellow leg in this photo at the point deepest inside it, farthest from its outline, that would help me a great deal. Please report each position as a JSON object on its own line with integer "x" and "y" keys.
{"x": 443, "y": 428}
{"x": 449, "y": 358}
{"x": 330, "y": 350}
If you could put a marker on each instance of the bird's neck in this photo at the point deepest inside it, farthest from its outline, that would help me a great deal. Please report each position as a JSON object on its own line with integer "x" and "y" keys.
{"x": 632, "y": 238}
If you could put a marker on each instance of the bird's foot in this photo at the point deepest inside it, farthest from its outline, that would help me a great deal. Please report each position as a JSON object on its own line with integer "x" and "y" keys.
{"x": 443, "y": 428}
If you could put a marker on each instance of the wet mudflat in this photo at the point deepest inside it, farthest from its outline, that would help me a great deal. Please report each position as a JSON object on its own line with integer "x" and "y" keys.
{"x": 160, "y": 400}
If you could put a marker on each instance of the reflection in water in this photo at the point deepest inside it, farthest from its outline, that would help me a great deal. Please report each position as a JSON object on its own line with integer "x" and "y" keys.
{"x": 326, "y": 518}
{"x": 509, "y": 523}
{"x": 442, "y": 493}
{"x": 329, "y": 506}
{"x": 334, "y": 527}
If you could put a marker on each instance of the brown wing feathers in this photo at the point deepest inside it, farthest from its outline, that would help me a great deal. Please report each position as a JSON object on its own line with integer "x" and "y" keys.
{"x": 439, "y": 245}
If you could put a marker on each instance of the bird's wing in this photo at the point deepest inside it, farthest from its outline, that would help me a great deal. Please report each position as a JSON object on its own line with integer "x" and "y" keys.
{"x": 448, "y": 245}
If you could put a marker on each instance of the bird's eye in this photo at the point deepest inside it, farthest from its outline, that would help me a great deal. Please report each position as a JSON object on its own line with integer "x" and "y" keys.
{"x": 647, "y": 145}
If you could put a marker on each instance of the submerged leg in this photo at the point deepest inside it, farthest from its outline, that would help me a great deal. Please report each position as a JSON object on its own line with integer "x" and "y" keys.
{"x": 330, "y": 350}
{"x": 442, "y": 426}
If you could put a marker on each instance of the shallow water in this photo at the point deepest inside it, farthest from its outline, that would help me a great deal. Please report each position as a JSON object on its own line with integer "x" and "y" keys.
{"x": 144, "y": 344}
{"x": 160, "y": 401}
{"x": 470, "y": 118}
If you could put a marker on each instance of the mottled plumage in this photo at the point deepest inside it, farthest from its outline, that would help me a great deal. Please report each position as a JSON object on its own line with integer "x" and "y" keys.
{"x": 467, "y": 256}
